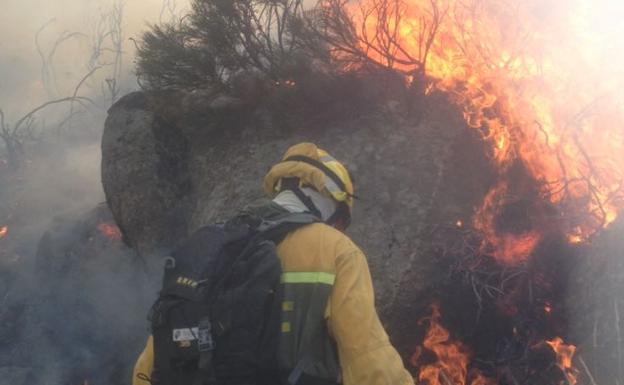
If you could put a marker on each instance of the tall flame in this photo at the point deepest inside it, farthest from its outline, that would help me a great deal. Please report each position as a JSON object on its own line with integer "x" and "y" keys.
{"x": 538, "y": 81}
{"x": 452, "y": 358}
{"x": 4, "y": 230}
{"x": 565, "y": 353}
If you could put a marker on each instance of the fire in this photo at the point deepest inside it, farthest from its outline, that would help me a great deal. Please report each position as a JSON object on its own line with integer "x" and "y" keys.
{"x": 4, "y": 230}
{"x": 565, "y": 353}
{"x": 287, "y": 83}
{"x": 576, "y": 236}
{"x": 110, "y": 231}
{"x": 507, "y": 248}
{"x": 451, "y": 367}
{"x": 538, "y": 80}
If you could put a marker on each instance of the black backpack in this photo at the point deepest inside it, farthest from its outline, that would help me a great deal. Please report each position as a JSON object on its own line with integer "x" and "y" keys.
{"x": 216, "y": 320}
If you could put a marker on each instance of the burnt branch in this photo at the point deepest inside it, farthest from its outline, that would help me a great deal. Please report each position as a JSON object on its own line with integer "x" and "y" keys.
{"x": 170, "y": 9}
{"x": 116, "y": 39}
{"x": 106, "y": 45}
{"x": 279, "y": 39}
{"x": 218, "y": 40}
{"x": 48, "y": 74}
{"x": 45, "y": 70}
{"x": 15, "y": 136}
{"x": 581, "y": 185}
{"x": 374, "y": 37}
{"x": 73, "y": 113}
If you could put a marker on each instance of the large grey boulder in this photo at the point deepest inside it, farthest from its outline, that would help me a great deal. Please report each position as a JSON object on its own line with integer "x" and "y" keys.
{"x": 165, "y": 177}
{"x": 173, "y": 163}
{"x": 595, "y": 305}
{"x": 144, "y": 173}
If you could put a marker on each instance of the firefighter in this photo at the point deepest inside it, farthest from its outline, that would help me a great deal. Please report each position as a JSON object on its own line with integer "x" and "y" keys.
{"x": 330, "y": 331}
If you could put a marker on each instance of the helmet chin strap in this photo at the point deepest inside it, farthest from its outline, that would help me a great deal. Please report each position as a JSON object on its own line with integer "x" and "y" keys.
{"x": 335, "y": 214}
{"x": 341, "y": 217}
{"x": 292, "y": 184}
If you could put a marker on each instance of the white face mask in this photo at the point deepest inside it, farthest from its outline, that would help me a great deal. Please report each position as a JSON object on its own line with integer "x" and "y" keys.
{"x": 288, "y": 200}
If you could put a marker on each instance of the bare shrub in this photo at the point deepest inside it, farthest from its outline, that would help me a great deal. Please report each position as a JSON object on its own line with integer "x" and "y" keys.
{"x": 219, "y": 39}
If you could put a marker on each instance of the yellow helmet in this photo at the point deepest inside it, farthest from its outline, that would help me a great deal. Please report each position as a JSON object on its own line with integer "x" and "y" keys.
{"x": 316, "y": 168}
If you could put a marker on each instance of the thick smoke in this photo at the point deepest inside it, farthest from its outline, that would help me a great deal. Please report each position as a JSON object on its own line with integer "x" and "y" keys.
{"x": 73, "y": 298}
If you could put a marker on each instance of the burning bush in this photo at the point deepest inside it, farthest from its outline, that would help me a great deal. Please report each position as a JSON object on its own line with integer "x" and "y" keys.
{"x": 282, "y": 54}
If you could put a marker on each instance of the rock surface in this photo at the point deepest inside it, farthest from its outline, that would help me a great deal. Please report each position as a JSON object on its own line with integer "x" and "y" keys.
{"x": 595, "y": 307}
{"x": 150, "y": 161}
{"x": 166, "y": 177}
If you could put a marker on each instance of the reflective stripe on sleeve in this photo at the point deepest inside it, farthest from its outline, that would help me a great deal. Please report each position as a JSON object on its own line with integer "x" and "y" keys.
{"x": 308, "y": 277}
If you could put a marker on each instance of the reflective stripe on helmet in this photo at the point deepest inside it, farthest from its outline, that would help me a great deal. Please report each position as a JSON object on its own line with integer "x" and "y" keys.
{"x": 331, "y": 186}
{"x": 337, "y": 180}
{"x": 341, "y": 194}
{"x": 327, "y": 158}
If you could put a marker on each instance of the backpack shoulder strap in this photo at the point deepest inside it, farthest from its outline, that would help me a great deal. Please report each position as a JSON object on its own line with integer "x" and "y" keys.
{"x": 276, "y": 230}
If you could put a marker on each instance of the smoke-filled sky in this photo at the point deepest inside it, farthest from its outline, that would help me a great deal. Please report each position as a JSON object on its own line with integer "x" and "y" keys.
{"x": 20, "y": 64}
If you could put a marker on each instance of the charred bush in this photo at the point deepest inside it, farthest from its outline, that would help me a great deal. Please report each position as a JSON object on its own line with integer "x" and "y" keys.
{"x": 277, "y": 55}
{"x": 219, "y": 39}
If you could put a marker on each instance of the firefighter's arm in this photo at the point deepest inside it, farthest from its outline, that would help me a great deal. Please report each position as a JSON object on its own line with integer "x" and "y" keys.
{"x": 144, "y": 365}
{"x": 366, "y": 355}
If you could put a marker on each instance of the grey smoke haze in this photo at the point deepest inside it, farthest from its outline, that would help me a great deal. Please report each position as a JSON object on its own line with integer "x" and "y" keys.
{"x": 20, "y": 64}
{"x": 80, "y": 299}
{"x": 22, "y": 88}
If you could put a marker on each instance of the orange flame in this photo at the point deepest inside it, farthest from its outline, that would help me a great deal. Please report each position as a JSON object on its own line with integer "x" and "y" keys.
{"x": 4, "y": 230}
{"x": 451, "y": 367}
{"x": 110, "y": 231}
{"x": 548, "y": 308}
{"x": 565, "y": 353}
{"x": 507, "y": 248}
{"x": 540, "y": 84}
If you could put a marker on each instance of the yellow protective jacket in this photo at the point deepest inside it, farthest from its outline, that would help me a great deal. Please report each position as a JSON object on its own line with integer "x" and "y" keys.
{"x": 365, "y": 353}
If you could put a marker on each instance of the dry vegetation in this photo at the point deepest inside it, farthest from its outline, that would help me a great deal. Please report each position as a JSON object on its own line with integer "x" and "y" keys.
{"x": 278, "y": 40}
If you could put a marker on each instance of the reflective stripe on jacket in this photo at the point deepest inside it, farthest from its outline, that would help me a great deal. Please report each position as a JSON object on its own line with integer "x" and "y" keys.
{"x": 365, "y": 353}
{"x": 306, "y": 350}
{"x": 323, "y": 254}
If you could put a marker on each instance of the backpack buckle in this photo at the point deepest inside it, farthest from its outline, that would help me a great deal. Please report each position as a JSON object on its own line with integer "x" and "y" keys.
{"x": 170, "y": 263}
{"x": 266, "y": 225}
